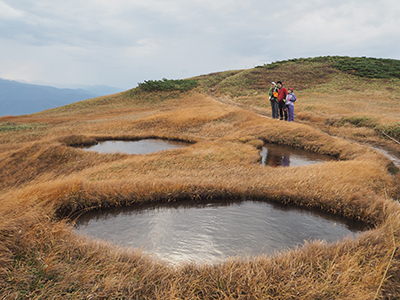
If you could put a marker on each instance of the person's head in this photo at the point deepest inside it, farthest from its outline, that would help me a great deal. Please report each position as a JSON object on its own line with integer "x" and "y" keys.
{"x": 273, "y": 84}
{"x": 279, "y": 84}
{"x": 290, "y": 90}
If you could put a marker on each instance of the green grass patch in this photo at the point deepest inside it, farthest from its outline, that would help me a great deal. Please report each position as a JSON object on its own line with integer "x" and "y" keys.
{"x": 9, "y": 126}
{"x": 392, "y": 129}
{"x": 359, "y": 121}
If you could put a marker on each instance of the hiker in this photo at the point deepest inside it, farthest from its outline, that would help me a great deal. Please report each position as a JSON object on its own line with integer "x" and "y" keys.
{"x": 282, "y": 93}
{"x": 273, "y": 95}
{"x": 290, "y": 99}
{"x": 285, "y": 160}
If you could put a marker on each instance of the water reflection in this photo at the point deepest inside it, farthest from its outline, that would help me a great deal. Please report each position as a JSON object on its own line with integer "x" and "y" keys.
{"x": 136, "y": 147}
{"x": 284, "y": 156}
{"x": 212, "y": 232}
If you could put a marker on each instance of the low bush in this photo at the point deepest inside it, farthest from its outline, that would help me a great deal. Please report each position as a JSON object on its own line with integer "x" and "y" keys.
{"x": 368, "y": 67}
{"x": 168, "y": 85}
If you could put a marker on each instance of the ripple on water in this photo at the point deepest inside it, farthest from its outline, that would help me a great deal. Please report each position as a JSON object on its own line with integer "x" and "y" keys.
{"x": 213, "y": 232}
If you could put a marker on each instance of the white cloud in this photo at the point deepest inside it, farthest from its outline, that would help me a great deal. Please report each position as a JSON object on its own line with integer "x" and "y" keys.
{"x": 7, "y": 12}
{"x": 122, "y": 42}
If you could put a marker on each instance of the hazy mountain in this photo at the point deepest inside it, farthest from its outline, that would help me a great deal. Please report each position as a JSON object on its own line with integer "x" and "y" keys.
{"x": 100, "y": 90}
{"x": 18, "y": 98}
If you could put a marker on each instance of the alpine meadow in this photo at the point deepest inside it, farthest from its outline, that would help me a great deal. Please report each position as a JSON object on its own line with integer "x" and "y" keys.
{"x": 347, "y": 108}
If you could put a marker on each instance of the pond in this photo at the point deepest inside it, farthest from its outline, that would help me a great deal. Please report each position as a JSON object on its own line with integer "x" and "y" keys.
{"x": 211, "y": 232}
{"x": 136, "y": 147}
{"x": 285, "y": 156}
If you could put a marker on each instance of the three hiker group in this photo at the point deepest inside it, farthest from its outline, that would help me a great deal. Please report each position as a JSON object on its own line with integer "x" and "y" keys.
{"x": 282, "y": 101}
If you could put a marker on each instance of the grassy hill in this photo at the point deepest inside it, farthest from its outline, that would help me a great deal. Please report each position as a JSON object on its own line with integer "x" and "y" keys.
{"x": 45, "y": 183}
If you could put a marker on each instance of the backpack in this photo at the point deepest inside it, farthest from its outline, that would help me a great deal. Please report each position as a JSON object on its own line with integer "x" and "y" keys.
{"x": 275, "y": 93}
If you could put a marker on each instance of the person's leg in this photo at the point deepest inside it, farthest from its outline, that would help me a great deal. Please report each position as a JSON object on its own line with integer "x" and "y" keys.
{"x": 286, "y": 112}
{"x": 275, "y": 110}
{"x": 272, "y": 108}
{"x": 291, "y": 113}
{"x": 281, "y": 109}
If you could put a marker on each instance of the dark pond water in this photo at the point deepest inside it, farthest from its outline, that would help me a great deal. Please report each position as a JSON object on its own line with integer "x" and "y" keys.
{"x": 136, "y": 147}
{"x": 212, "y": 232}
{"x": 284, "y": 156}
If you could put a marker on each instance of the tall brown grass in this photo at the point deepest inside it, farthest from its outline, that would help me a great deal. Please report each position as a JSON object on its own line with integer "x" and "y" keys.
{"x": 44, "y": 181}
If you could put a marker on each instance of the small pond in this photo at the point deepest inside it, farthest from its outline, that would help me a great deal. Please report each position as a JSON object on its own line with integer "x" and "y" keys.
{"x": 285, "y": 156}
{"x": 212, "y": 232}
{"x": 136, "y": 147}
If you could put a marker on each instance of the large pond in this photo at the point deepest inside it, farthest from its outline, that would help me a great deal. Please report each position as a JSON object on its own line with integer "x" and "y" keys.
{"x": 136, "y": 147}
{"x": 184, "y": 231}
{"x": 285, "y": 156}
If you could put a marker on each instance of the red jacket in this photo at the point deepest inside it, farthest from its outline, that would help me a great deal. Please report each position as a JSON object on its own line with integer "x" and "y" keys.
{"x": 282, "y": 93}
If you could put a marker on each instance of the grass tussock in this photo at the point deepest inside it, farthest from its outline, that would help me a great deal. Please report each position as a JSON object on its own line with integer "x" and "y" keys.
{"x": 46, "y": 181}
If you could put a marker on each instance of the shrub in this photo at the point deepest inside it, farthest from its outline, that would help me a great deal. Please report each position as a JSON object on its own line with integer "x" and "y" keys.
{"x": 368, "y": 67}
{"x": 168, "y": 85}
{"x": 270, "y": 66}
{"x": 360, "y": 66}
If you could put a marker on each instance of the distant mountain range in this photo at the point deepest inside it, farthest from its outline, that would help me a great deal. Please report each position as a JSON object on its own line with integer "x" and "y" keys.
{"x": 18, "y": 98}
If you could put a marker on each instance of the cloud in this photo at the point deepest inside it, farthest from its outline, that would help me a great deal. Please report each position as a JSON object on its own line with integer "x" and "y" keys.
{"x": 122, "y": 42}
{"x": 9, "y": 13}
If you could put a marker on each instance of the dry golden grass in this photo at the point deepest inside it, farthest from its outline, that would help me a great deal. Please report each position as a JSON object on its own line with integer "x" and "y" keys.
{"x": 43, "y": 178}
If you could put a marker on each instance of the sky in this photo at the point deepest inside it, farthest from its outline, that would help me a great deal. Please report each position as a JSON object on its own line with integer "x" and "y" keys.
{"x": 122, "y": 42}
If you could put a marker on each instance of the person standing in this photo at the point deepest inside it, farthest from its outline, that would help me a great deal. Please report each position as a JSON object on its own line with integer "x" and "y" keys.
{"x": 273, "y": 96}
{"x": 290, "y": 99}
{"x": 282, "y": 93}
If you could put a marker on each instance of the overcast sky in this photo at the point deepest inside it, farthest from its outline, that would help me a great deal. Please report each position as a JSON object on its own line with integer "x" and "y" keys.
{"x": 122, "y": 42}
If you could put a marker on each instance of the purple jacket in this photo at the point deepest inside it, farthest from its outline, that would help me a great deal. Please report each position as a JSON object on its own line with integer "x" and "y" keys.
{"x": 290, "y": 99}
